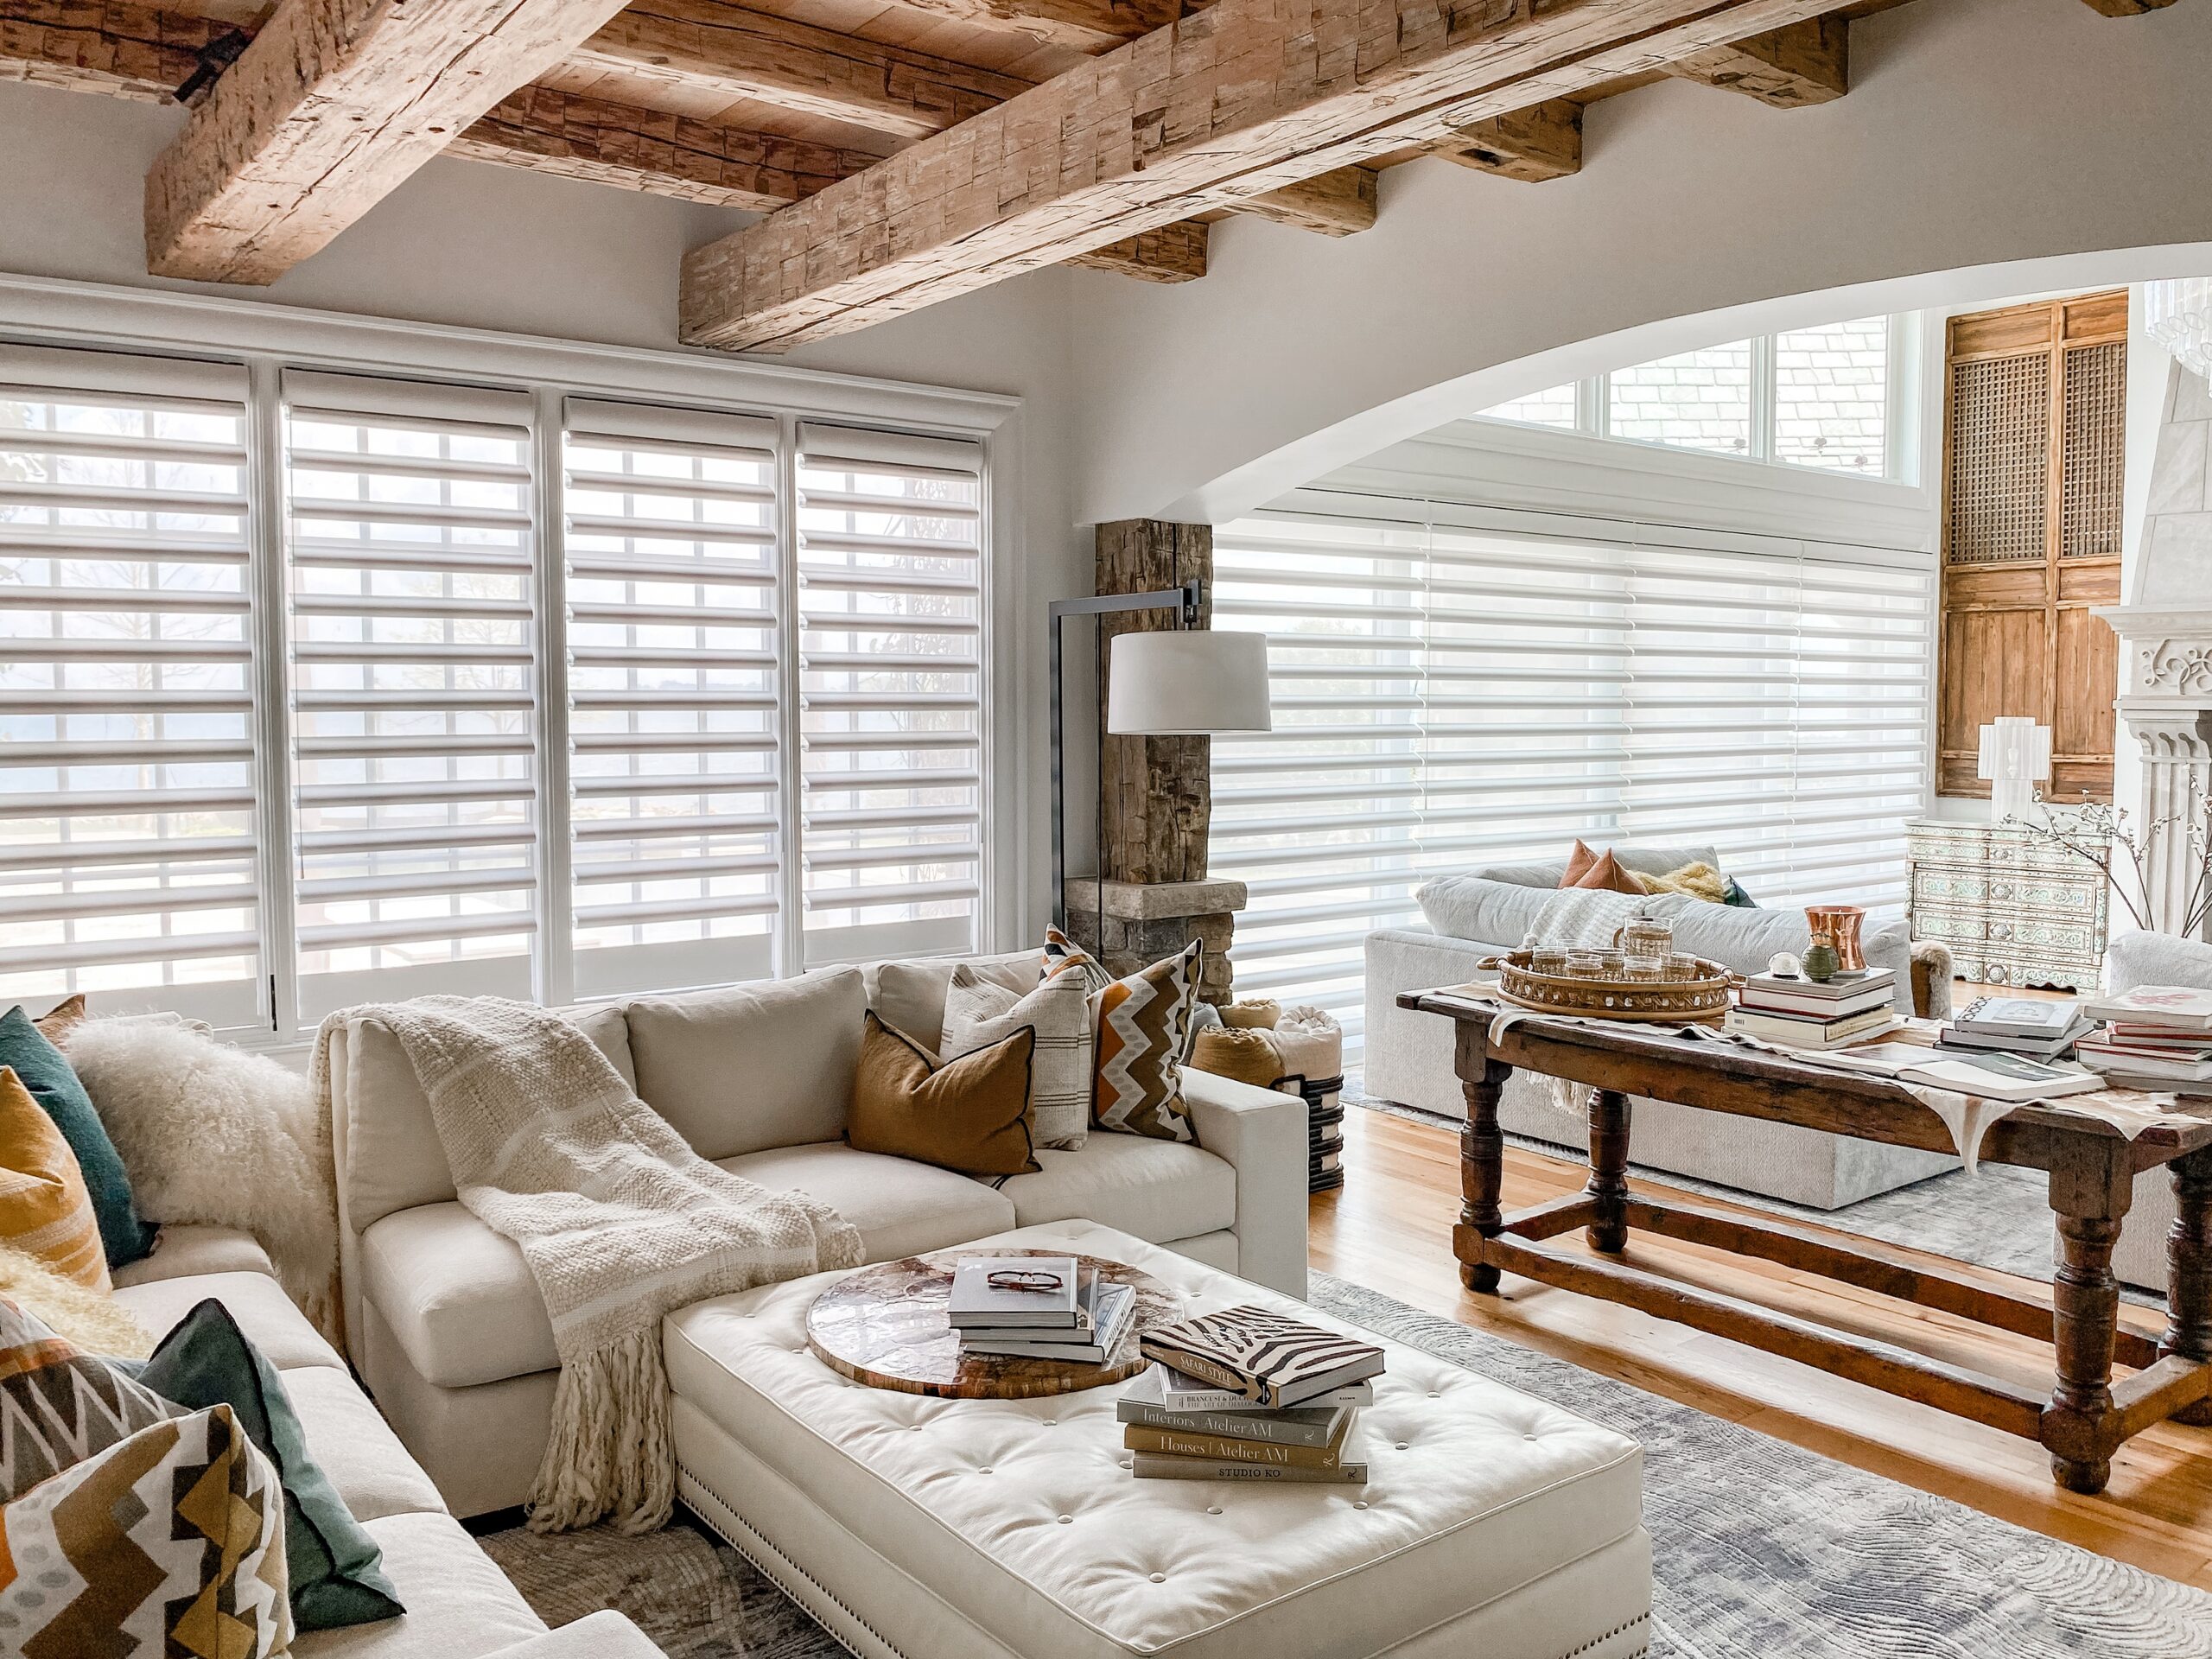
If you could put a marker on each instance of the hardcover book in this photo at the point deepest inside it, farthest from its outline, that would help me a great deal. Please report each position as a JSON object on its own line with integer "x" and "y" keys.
{"x": 2019, "y": 1016}
{"x": 2176, "y": 1008}
{"x": 1140, "y": 1405}
{"x": 1180, "y": 1393}
{"x": 976, "y": 1301}
{"x": 1268, "y": 1357}
{"x": 1158, "y": 1465}
{"x": 1226, "y": 1449}
{"x": 1117, "y": 1307}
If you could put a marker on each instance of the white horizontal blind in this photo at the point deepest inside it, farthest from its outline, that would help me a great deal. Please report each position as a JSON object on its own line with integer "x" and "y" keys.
{"x": 891, "y": 604}
{"x": 1451, "y": 695}
{"x": 415, "y": 687}
{"x": 674, "y": 689}
{"x": 127, "y": 792}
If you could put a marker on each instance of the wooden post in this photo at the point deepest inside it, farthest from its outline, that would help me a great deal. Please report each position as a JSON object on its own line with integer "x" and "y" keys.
{"x": 1158, "y": 796}
{"x": 2090, "y": 1187}
{"x": 1482, "y": 1161}
{"x": 1608, "y": 1186}
{"x": 2188, "y": 1272}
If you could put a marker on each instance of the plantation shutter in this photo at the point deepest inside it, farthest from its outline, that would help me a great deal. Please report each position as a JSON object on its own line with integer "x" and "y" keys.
{"x": 673, "y": 577}
{"x": 415, "y": 684}
{"x": 890, "y": 634}
{"x": 128, "y": 808}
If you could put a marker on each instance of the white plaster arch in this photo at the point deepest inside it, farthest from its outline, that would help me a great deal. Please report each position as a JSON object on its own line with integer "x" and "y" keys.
{"x": 1988, "y": 148}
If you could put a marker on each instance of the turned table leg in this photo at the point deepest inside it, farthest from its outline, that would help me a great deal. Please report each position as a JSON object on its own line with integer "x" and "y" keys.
{"x": 2188, "y": 1272}
{"x": 2090, "y": 1197}
{"x": 1482, "y": 1173}
{"x": 1608, "y": 1187}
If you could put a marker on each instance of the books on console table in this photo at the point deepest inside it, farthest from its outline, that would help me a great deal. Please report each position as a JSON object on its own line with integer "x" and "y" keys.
{"x": 1985, "y": 1076}
{"x": 1801, "y": 1030}
{"x": 2034, "y": 1018}
{"x": 2172, "y": 1007}
{"x": 1270, "y": 1358}
{"x": 1833, "y": 999}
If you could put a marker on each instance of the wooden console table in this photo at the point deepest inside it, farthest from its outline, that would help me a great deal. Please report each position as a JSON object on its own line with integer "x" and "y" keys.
{"x": 2092, "y": 1169}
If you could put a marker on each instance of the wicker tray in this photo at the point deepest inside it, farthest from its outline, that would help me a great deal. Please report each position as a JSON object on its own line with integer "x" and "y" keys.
{"x": 1669, "y": 1001}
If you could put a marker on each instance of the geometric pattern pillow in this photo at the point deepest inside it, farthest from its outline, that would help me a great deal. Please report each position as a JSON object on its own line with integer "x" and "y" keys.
{"x": 1142, "y": 1027}
{"x": 1064, "y": 955}
{"x": 59, "y": 1405}
{"x": 170, "y": 1543}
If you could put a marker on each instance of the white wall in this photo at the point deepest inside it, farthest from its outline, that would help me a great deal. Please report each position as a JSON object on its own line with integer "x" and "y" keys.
{"x": 471, "y": 246}
{"x": 1977, "y": 133}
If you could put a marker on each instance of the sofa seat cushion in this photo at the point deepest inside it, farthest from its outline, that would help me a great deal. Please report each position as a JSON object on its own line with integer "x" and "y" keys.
{"x": 901, "y": 1208}
{"x": 185, "y": 1251}
{"x": 258, "y": 1302}
{"x": 360, "y": 1454}
{"x": 459, "y": 1605}
{"x": 1155, "y": 1190}
{"x": 461, "y": 1303}
{"x": 1019, "y": 1513}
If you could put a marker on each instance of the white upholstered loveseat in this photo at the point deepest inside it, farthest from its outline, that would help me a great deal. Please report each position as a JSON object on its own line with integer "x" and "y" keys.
{"x": 1471, "y": 917}
{"x": 445, "y": 1322}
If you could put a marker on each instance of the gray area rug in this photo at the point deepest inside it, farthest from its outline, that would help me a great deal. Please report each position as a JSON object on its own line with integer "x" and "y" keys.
{"x": 1761, "y": 1550}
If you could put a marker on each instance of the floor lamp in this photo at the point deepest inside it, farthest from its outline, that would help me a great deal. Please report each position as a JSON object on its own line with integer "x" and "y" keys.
{"x": 1190, "y": 682}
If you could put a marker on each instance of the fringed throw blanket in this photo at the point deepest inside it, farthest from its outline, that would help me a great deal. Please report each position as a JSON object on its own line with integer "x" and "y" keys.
{"x": 619, "y": 1220}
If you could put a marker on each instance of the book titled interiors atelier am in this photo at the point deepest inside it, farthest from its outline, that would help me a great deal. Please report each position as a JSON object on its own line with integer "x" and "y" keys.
{"x": 1268, "y": 1358}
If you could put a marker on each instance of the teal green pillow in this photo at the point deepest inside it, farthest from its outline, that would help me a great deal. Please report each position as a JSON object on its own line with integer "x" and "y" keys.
{"x": 335, "y": 1568}
{"x": 47, "y": 1075}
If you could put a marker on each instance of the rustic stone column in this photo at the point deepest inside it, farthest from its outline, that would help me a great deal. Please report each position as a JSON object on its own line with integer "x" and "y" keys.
{"x": 1157, "y": 792}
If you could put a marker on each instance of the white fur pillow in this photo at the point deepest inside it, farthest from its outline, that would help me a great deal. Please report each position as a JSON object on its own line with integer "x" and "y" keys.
{"x": 978, "y": 1012}
{"x": 211, "y": 1133}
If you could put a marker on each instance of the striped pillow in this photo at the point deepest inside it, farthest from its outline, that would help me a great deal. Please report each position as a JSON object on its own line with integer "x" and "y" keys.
{"x": 45, "y": 1209}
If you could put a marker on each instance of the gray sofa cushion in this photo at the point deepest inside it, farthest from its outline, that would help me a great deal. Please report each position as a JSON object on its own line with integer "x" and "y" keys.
{"x": 1477, "y": 908}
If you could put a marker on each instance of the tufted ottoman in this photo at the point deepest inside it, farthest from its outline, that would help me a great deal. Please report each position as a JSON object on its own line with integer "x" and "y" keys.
{"x": 1494, "y": 1526}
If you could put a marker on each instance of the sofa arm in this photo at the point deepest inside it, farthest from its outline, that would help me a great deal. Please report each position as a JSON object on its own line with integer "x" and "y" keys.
{"x": 1263, "y": 1134}
{"x": 602, "y": 1635}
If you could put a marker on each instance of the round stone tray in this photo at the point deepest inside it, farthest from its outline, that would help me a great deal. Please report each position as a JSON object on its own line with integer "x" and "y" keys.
{"x": 885, "y": 1326}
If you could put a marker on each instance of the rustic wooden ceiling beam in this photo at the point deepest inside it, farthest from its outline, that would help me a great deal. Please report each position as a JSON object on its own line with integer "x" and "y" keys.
{"x": 1249, "y": 96}
{"x": 1173, "y": 253}
{"x": 1542, "y": 142}
{"x": 751, "y": 54}
{"x": 1082, "y": 25}
{"x": 1808, "y": 62}
{"x": 589, "y": 138}
{"x": 110, "y": 46}
{"x": 1341, "y": 203}
{"x": 335, "y": 105}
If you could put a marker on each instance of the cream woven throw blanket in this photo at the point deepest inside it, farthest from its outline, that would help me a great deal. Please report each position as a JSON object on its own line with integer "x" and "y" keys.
{"x": 619, "y": 1220}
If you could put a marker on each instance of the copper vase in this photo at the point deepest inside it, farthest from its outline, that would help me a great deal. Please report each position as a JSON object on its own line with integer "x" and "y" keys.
{"x": 1840, "y": 923}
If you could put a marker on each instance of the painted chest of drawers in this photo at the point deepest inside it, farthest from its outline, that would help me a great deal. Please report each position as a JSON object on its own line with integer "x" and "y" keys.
{"x": 2012, "y": 911}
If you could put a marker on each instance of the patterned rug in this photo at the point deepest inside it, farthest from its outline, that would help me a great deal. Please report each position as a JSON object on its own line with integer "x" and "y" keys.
{"x": 1762, "y": 1550}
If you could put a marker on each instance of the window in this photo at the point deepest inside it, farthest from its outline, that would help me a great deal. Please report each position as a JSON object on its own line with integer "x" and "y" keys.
{"x": 891, "y": 627}
{"x": 128, "y": 805}
{"x": 677, "y": 762}
{"x": 1834, "y": 398}
{"x": 1453, "y": 694}
{"x": 510, "y": 691}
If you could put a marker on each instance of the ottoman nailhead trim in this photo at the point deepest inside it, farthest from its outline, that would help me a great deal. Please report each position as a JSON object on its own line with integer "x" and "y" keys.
{"x": 1599, "y": 1641}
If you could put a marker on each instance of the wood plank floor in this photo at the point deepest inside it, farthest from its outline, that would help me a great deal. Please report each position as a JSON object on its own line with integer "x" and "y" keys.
{"x": 1389, "y": 1227}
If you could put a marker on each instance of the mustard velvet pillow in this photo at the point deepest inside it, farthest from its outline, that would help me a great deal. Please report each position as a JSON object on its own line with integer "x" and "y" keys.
{"x": 969, "y": 1114}
{"x": 46, "y": 1211}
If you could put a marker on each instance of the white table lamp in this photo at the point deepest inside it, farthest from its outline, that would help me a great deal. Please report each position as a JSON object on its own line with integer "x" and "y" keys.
{"x": 2015, "y": 757}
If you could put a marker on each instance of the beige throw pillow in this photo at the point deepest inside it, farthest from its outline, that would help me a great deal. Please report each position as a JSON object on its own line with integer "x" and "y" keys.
{"x": 978, "y": 1012}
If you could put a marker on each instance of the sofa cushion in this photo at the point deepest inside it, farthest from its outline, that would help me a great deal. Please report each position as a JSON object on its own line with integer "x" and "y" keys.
{"x": 746, "y": 1067}
{"x": 1496, "y": 913}
{"x": 359, "y": 1453}
{"x": 184, "y": 1249}
{"x": 461, "y": 1304}
{"x": 971, "y": 1114}
{"x": 1157, "y": 1190}
{"x": 392, "y": 1156}
{"x": 909, "y": 996}
{"x": 256, "y": 1301}
{"x": 459, "y": 1605}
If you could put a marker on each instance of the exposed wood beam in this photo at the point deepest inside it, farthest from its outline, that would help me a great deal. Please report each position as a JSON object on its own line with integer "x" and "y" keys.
{"x": 1245, "y": 97}
{"x": 1084, "y": 25}
{"x": 589, "y": 138}
{"x": 1173, "y": 253}
{"x": 751, "y": 54}
{"x": 334, "y": 105}
{"x": 109, "y": 46}
{"x": 1341, "y": 203}
{"x": 1808, "y": 62}
{"x": 1542, "y": 141}
{"x": 2127, "y": 8}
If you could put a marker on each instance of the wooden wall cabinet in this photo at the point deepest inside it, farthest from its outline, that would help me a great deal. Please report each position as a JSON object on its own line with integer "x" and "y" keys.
{"x": 2035, "y": 403}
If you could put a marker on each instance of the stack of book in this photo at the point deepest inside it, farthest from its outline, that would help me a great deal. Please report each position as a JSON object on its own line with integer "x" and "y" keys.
{"x": 2160, "y": 1032}
{"x": 2041, "y": 1028}
{"x": 1248, "y": 1394}
{"x": 1037, "y": 1308}
{"x": 1797, "y": 1013}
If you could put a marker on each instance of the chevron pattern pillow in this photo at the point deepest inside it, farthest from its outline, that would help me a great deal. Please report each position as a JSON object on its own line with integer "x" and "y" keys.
{"x": 1142, "y": 1029}
{"x": 59, "y": 1404}
{"x": 170, "y": 1543}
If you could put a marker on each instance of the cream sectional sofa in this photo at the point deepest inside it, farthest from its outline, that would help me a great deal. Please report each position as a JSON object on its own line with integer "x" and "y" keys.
{"x": 1409, "y": 1057}
{"x": 459, "y": 1605}
{"x": 446, "y": 1325}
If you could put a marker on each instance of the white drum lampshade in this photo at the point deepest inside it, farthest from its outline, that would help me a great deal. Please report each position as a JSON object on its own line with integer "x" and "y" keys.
{"x": 1191, "y": 682}
{"x": 2014, "y": 757}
